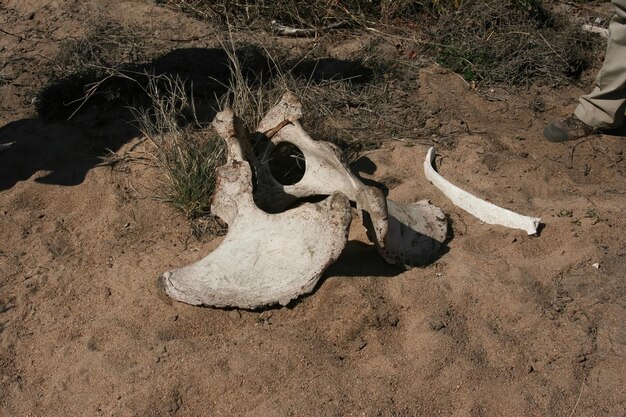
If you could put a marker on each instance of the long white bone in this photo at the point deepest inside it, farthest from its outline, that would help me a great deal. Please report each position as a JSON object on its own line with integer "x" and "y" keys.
{"x": 484, "y": 210}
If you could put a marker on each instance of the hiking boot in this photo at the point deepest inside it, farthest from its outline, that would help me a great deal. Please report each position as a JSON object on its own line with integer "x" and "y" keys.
{"x": 570, "y": 128}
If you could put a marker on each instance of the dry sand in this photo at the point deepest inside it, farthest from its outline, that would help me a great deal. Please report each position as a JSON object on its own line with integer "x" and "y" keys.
{"x": 503, "y": 324}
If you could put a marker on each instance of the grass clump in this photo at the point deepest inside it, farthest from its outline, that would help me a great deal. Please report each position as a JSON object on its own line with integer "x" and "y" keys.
{"x": 513, "y": 42}
{"x": 185, "y": 152}
{"x": 338, "y": 97}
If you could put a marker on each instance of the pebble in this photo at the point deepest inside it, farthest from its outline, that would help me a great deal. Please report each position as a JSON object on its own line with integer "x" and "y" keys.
{"x": 432, "y": 124}
{"x": 436, "y": 324}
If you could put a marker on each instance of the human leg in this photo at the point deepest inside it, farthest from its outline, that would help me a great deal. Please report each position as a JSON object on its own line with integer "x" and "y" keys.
{"x": 604, "y": 107}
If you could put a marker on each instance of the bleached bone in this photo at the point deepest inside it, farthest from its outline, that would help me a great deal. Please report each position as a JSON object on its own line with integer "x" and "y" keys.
{"x": 485, "y": 211}
{"x": 5, "y": 146}
{"x": 265, "y": 258}
{"x": 415, "y": 233}
{"x": 405, "y": 235}
{"x": 596, "y": 29}
{"x": 291, "y": 31}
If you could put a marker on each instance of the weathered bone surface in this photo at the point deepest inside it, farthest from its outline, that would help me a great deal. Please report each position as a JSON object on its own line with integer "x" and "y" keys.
{"x": 273, "y": 258}
{"x": 406, "y": 235}
{"x": 415, "y": 233}
{"x": 484, "y": 210}
{"x": 265, "y": 258}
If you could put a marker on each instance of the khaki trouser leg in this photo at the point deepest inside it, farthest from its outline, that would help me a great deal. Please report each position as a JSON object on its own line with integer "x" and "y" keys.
{"x": 604, "y": 106}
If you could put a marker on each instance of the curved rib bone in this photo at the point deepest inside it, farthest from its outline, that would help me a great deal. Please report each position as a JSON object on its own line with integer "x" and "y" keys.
{"x": 484, "y": 210}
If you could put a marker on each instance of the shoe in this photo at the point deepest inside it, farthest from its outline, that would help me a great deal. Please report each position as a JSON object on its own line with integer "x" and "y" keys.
{"x": 570, "y": 128}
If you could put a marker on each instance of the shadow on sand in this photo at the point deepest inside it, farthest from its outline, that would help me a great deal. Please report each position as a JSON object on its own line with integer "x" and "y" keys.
{"x": 70, "y": 134}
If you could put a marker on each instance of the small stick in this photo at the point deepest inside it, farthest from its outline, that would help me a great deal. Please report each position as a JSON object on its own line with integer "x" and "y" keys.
{"x": 291, "y": 31}
{"x": 269, "y": 134}
{"x": 578, "y": 400}
{"x": 263, "y": 145}
{"x": 12, "y": 34}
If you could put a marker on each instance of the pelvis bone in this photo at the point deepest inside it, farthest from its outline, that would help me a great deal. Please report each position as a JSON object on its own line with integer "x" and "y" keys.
{"x": 405, "y": 235}
{"x": 275, "y": 252}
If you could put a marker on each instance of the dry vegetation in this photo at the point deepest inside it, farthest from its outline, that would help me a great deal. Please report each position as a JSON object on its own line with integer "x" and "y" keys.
{"x": 185, "y": 151}
{"x": 486, "y": 41}
{"x": 516, "y": 42}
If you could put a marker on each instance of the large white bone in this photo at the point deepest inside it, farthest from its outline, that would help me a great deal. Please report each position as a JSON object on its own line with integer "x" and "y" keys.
{"x": 265, "y": 258}
{"x": 484, "y": 210}
{"x": 406, "y": 235}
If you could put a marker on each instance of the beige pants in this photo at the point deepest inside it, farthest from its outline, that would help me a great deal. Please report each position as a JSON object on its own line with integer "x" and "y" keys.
{"x": 604, "y": 106}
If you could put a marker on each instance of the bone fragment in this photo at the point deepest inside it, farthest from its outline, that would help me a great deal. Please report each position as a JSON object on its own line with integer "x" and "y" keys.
{"x": 297, "y": 32}
{"x": 485, "y": 211}
{"x": 596, "y": 29}
{"x": 5, "y": 146}
{"x": 415, "y": 233}
{"x": 265, "y": 258}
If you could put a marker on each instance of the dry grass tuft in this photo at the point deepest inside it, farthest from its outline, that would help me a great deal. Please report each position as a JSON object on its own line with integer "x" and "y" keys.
{"x": 185, "y": 152}
{"x": 513, "y": 42}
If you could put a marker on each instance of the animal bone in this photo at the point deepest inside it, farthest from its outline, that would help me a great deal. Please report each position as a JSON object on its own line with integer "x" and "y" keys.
{"x": 5, "y": 146}
{"x": 415, "y": 233}
{"x": 484, "y": 210}
{"x": 405, "y": 235}
{"x": 273, "y": 258}
{"x": 595, "y": 29}
{"x": 265, "y": 258}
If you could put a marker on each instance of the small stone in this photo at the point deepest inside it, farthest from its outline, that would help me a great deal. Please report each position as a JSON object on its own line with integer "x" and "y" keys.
{"x": 432, "y": 124}
{"x": 157, "y": 359}
{"x": 436, "y": 324}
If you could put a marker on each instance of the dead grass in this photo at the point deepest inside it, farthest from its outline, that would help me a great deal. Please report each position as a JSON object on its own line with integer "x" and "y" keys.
{"x": 331, "y": 92}
{"x": 300, "y": 14}
{"x": 85, "y": 61}
{"x": 512, "y": 42}
{"x": 351, "y": 103}
{"x": 185, "y": 152}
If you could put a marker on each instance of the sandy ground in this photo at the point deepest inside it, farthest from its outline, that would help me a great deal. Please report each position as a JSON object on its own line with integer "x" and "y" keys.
{"x": 502, "y": 324}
